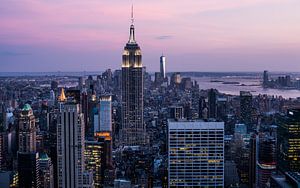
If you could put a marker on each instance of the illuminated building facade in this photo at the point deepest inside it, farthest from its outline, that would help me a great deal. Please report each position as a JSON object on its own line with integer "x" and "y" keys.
{"x": 106, "y": 139}
{"x": 93, "y": 160}
{"x": 105, "y": 116}
{"x": 98, "y": 157}
{"x": 133, "y": 129}
{"x": 70, "y": 144}
{"x": 288, "y": 141}
{"x": 196, "y": 154}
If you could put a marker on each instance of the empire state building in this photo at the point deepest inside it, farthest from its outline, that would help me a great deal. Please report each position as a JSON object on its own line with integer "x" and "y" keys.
{"x": 133, "y": 129}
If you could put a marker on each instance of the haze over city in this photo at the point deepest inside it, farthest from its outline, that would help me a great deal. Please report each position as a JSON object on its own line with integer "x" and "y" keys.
{"x": 250, "y": 35}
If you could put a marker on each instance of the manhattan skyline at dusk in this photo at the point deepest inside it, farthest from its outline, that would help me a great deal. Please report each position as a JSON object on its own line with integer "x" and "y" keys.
{"x": 203, "y": 36}
{"x": 149, "y": 94}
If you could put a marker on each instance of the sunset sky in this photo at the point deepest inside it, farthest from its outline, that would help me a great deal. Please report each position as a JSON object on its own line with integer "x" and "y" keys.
{"x": 194, "y": 35}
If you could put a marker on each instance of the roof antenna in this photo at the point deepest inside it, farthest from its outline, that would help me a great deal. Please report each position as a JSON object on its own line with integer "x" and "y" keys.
{"x": 132, "y": 19}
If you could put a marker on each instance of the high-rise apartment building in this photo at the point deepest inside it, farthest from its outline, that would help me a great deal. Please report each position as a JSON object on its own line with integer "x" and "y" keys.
{"x": 133, "y": 129}
{"x": 196, "y": 154}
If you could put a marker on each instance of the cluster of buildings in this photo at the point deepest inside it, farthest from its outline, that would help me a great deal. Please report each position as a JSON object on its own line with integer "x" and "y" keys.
{"x": 125, "y": 129}
{"x": 281, "y": 82}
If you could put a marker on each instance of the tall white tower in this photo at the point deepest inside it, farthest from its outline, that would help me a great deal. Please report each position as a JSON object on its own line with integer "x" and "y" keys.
{"x": 163, "y": 66}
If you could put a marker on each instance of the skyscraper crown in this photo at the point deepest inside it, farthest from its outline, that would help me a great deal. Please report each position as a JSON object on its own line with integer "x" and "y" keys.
{"x": 131, "y": 36}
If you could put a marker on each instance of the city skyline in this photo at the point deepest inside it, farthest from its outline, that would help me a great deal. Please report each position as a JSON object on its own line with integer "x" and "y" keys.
{"x": 204, "y": 36}
{"x": 121, "y": 128}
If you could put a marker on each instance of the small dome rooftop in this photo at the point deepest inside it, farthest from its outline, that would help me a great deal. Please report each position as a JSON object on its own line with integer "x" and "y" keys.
{"x": 26, "y": 107}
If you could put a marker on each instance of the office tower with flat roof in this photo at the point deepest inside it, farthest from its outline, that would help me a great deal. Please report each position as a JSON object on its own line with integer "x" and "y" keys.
{"x": 94, "y": 161}
{"x": 99, "y": 158}
{"x": 246, "y": 108}
{"x": 70, "y": 143}
{"x": 105, "y": 114}
{"x": 196, "y": 154}
{"x": 212, "y": 103}
{"x": 163, "y": 67}
{"x": 265, "y": 79}
{"x": 133, "y": 129}
{"x": 288, "y": 141}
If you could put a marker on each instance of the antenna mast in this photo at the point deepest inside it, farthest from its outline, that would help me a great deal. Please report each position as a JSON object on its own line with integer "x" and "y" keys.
{"x": 132, "y": 19}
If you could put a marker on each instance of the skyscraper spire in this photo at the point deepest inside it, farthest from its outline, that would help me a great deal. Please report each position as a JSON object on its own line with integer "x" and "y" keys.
{"x": 132, "y": 17}
{"x": 131, "y": 36}
{"x": 132, "y": 114}
{"x": 62, "y": 96}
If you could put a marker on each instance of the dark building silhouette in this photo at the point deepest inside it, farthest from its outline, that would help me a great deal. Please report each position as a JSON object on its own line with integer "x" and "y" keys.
{"x": 252, "y": 162}
{"x": 28, "y": 170}
{"x": 265, "y": 79}
{"x": 246, "y": 109}
{"x": 212, "y": 103}
{"x": 266, "y": 164}
{"x": 176, "y": 112}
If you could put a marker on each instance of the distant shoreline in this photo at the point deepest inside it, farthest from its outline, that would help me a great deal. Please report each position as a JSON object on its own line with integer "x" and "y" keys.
{"x": 183, "y": 74}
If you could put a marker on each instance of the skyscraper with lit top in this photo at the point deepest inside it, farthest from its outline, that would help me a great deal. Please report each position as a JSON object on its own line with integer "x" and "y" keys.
{"x": 70, "y": 141}
{"x": 133, "y": 129}
{"x": 28, "y": 166}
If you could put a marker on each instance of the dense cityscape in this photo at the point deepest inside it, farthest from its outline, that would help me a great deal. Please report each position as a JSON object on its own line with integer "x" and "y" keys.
{"x": 133, "y": 128}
